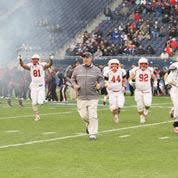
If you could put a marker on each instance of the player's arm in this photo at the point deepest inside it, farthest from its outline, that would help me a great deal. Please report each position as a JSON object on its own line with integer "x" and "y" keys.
{"x": 171, "y": 79}
{"x": 50, "y": 63}
{"x": 131, "y": 79}
{"x": 26, "y": 67}
{"x": 124, "y": 81}
{"x": 155, "y": 82}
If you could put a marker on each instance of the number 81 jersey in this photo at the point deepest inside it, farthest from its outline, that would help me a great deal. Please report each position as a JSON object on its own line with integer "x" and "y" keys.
{"x": 37, "y": 75}
{"x": 143, "y": 78}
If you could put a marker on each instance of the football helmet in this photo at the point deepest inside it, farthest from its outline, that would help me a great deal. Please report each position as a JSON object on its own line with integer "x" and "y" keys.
{"x": 143, "y": 63}
{"x": 114, "y": 64}
{"x": 35, "y": 59}
{"x": 35, "y": 56}
{"x": 113, "y": 61}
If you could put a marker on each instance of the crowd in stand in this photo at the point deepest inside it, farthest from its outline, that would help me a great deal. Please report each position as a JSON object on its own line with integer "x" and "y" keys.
{"x": 141, "y": 27}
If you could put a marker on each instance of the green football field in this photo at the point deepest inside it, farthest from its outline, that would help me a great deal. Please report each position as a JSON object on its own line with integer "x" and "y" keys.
{"x": 58, "y": 147}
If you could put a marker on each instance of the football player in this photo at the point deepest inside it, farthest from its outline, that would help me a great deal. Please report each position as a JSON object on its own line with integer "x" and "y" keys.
{"x": 143, "y": 90}
{"x": 172, "y": 79}
{"x": 37, "y": 85}
{"x": 115, "y": 84}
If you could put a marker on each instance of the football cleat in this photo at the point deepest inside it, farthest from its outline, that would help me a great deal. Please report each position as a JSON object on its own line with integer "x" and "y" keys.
{"x": 92, "y": 137}
{"x": 20, "y": 103}
{"x": 37, "y": 117}
{"x": 116, "y": 118}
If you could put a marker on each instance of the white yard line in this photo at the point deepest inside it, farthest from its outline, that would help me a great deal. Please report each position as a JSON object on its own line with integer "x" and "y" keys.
{"x": 14, "y": 117}
{"x": 80, "y": 135}
{"x": 48, "y": 133}
{"x": 124, "y": 136}
{"x": 12, "y": 131}
{"x": 164, "y": 138}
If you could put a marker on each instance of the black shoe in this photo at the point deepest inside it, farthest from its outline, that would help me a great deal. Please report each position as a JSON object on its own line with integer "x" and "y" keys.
{"x": 20, "y": 103}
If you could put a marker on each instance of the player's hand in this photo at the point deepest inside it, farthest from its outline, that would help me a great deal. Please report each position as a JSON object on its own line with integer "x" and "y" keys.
{"x": 19, "y": 57}
{"x": 155, "y": 84}
{"x": 97, "y": 86}
{"x": 51, "y": 57}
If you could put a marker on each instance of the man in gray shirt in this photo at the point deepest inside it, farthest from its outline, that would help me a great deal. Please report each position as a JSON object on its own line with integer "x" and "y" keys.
{"x": 87, "y": 79}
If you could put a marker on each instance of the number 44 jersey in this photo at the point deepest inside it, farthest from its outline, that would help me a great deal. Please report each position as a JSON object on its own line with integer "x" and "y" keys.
{"x": 37, "y": 74}
{"x": 115, "y": 79}
{"x": 143, "y": 78}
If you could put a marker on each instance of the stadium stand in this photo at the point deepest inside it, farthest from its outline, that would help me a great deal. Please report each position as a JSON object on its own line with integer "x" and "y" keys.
{"x": 150, "y": 24}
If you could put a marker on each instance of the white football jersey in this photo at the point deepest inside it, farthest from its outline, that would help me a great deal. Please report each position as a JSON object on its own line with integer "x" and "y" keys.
{"x": 175, "y": 64}
{"x": 115, "y": 79}
{"x": 106, "y": 70}
{"x": 37, "y": 74}
{"x": 142, "y": 78}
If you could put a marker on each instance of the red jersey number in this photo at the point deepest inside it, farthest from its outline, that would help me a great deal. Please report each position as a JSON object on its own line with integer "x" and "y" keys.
{"x": 36, "y": 73}
{"x": 116, "y": 79}
{"x": 143, "y": 77}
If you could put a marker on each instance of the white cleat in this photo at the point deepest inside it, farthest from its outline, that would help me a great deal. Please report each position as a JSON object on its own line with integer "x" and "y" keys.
{"x": 92, "y": 137}
{"x": 37, "y": 117}
{"x": 116, "y": 118}
{"x": 142, "y": 119}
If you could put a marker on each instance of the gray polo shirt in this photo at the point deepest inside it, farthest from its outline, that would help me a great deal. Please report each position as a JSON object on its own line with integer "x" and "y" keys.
{"x": 86, "y": 77}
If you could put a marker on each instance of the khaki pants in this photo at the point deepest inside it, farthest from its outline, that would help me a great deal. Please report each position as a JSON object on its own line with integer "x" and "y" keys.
{"x": 88, "y": 112}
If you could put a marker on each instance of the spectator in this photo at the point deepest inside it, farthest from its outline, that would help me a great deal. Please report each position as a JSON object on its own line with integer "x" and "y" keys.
{"x": 150, "y": 50}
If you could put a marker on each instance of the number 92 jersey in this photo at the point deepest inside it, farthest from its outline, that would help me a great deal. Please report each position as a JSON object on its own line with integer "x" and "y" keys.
{"x": 143, "y": 78}
{"x": 37, "y": 74}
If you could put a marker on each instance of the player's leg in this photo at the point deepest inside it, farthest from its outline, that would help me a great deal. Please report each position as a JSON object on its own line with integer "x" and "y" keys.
{"x": 9, "y": 95}
{"x": 147, "y": 97}
{"x": 40, "y": 97}
{"x": 113, "y": 97}
{"x": 175, "y": 102}
{"x": 140, "y": 105}
{"x": 173, "y": 99}
{"x": 34, "y": 98}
